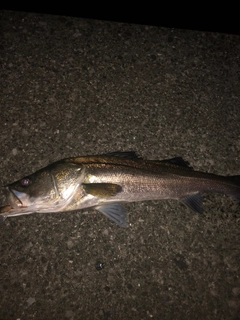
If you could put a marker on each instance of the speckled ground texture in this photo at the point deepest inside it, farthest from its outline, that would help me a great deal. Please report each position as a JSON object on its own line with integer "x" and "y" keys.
{"x": 72, "y": 87}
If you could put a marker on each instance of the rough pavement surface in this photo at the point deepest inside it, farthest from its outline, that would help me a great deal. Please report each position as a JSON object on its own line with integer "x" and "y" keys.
{"x": 74, "y": 87}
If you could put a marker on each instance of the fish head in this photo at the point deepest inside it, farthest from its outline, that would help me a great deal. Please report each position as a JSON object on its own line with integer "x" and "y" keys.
{"x": 47, "y": 190}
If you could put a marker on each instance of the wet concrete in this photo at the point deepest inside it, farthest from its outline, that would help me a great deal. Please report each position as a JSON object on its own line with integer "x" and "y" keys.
{"x": 73, "y": 87}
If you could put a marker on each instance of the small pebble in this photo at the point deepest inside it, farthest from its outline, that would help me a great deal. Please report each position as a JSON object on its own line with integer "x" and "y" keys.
{"x": 30, "y": 301}
{"x": 14, "y": 151}
{"x": 99, "y": 266}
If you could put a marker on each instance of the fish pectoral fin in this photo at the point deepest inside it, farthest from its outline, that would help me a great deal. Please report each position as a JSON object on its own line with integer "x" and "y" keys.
{"x": 102, "y": 190}
{"x": 194, "y": 202}
{"x": 115, "y": 212}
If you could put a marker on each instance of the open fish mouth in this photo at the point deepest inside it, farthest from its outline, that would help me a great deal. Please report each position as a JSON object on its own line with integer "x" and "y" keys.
{"x": 14, "y": 198}
{"x": 14, "y": 205}
{"x": 18, "y": 203}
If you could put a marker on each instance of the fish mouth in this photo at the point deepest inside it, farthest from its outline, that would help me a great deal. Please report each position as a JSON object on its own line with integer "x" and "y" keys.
{"x": 14, "y": 198}
{"x": 17, "y": 204}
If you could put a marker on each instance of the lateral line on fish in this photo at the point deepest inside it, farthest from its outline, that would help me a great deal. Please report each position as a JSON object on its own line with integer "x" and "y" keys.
{"x": 121, "y": 165}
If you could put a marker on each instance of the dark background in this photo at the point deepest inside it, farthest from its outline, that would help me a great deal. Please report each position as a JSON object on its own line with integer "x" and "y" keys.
{"x": 201, "y": 17}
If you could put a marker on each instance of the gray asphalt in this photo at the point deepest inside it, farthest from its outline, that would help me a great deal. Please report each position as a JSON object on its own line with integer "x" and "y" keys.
{"x": 72, "y": 87}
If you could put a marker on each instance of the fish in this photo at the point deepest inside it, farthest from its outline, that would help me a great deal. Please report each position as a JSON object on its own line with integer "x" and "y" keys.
{"x": 105, "y": 182}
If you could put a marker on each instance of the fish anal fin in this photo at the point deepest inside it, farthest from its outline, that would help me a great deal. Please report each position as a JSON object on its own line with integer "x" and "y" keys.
{"x": 194, "y": 202}
{"x": 102, "y": 190}
{"x": 115, "y": 212}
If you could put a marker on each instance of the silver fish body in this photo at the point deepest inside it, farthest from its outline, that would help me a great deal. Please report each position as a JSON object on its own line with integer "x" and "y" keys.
{"x": 105, "y": 182}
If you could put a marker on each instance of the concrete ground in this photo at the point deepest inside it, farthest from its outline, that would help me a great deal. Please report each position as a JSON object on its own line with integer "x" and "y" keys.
{"x": 73, "y": 87}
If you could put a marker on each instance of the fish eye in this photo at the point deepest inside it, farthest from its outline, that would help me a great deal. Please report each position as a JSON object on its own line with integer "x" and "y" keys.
{"x": 25, "y": 182}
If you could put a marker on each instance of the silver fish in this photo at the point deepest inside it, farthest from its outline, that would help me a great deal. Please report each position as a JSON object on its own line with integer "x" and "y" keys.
{"x": 106, "y": 181}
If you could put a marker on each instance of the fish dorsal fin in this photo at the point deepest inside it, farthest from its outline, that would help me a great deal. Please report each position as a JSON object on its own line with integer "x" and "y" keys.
{"x": 177, "y": 161}
{"x": 102, "y": 190}
{"x": 123, "y": 154}
{"x": 194, "y": 202}
{"x": 115, "y": 212}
